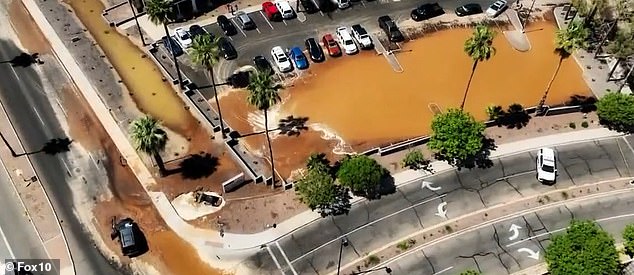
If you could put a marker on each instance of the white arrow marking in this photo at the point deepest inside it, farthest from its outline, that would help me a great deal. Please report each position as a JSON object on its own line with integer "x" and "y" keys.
{"x": 516, "y": 232}
{"x": 531, "y": 253}
{"x": 427, "y": 184}
{"x": 442, "y": 210}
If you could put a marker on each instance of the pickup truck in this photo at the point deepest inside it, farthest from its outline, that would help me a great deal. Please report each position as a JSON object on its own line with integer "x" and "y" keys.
{"x": 361, "y": 36}
{"x": 391, "y": 30}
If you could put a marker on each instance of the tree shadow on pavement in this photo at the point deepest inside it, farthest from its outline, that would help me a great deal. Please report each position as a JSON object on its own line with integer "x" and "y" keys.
{"x": 52, "y": 147}
{"x": 23, "y": 60}
{"x": 197, "y": 166}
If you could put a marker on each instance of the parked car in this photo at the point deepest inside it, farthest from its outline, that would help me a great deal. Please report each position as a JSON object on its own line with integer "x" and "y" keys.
{"x": 196, "y": 30}
{"x": 331, "y": 45}
{"x": 496, "y": 8}
{"x": 309, "y": 6}
{"x": 183, "y": 37}
{"x": 172, "y": 46}
{"x": 281, "y": 60}
{"x": 391, "y": 30}
{"x": 361, "y": 36}
{"x": 341, "y": 4}
{"x": 226, "y": 49}
{"x": 546, "y": 165}
{"x": 299, "y": 58}
{"x": 345, "y": 39}
{"x": 130, "y": 237}
{"x": 469, "y": 9}
{"x": 285, "y": 9}
{"x": 226, "y": 25}
{"x": 245, "y": 21}
{"x": 426, "y": 11}
{"x": 262, "y": 65}
{"x": 271, "y": 11}
{"x": 314, "y": 50}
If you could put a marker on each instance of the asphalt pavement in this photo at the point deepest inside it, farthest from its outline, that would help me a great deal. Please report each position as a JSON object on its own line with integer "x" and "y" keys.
{"x": 313, "y": 248}
{"x": 516, "y": 243}
{"x": 26, "y": 102}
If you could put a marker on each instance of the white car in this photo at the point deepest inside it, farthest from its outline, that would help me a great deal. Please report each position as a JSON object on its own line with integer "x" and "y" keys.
{"x": 345, "y": 39}
{"x": 546, "y": 165}
{"x": 361, "y": 36}
{"x": 341, "y": 4}
{"x": 183, "y": 37}
{"x": 285, "y": 9}
{"x": 496, "y": 8}
{"x": 281, "y": 60}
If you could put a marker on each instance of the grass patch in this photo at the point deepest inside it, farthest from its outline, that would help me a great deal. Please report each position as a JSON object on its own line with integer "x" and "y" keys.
{"x": 372, "y": 260}
{"x": 406, "y": 244}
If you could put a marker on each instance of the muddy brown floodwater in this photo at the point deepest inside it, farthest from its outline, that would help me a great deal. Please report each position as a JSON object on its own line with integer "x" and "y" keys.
{"x": 152, "y": 95}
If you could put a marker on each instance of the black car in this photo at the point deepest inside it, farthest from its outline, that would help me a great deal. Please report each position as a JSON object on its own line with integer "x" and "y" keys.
{"x": 426, "y": 11}
{"x": 226, "y": 49}
{"x": 315, "y": 51}
{"x": 171, "y": 45}
{"x": 391, "y": 30}
{"x": 262, "y": 65}
{"x": 196, "y": 30}
{"x": 469, "y": 9}
{"x": 309, "y": 6}
{"x": 227, "y": 26}
{"x": 130, "y": 237}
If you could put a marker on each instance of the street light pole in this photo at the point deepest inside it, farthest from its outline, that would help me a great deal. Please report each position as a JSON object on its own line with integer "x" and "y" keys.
{"x": 344, "y": 242}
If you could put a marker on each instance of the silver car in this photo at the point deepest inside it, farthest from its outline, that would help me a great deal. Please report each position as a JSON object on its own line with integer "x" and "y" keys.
{"x": 245, "y": 21}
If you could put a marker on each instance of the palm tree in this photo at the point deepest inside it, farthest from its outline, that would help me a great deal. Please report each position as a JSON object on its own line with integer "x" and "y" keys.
{"x": 621, "y": 48}
{"x": 158, "y": 12}
{"x": 480, "y": 48}
{"x": 149, "y": 138}
{"x": 262, "y": 95}
{"x": 205, "y": 52}
{"x": 566, "y": 42}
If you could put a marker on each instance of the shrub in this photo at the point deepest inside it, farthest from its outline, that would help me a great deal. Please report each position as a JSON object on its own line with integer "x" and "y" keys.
{"x": 406, "y": 244}
{"x": 628, "y": 240}
{"x": 372, "y": 260}
{"x": 584, "y": 124}
{"x": 494, "y": 111}
{"x": 572, "y": 125}
{"x": 415, "y": 160}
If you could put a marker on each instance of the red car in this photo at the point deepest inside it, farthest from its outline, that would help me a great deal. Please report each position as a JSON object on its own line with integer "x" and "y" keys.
{"x": 271, "y": 11}
{"x": 331, "y": 45}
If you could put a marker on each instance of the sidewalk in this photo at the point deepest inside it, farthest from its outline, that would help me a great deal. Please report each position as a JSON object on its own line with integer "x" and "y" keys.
{"x": 34, "y": 198}
{"x": 517, "y": 38}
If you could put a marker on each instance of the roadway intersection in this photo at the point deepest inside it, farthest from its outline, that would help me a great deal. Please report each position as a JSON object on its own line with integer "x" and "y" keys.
{"x": 372, "y": 224}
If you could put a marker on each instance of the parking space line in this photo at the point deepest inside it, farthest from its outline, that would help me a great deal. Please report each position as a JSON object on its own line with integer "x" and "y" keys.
{"x": 369, "y": 224}
{"x": 267, "y": 20}
{"x": 236, "y": 24}
{"x": 286, "y": 258}
{"x": 268, "y": 248}
{"x": 258, "y": 30}
{"x": 284, "y": 21}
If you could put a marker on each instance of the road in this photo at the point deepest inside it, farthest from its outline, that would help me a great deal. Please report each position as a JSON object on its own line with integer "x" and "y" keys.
{"x": 29, "y": 108}
{"x": 313, "y": 248}
{"x": 497, "y": 249}
{"x": 18, "y": 238}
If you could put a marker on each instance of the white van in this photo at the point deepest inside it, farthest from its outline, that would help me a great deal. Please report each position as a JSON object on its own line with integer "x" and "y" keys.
{"x": 285, "y": 9}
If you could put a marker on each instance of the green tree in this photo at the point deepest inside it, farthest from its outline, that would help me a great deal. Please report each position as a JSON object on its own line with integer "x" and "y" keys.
{"x": 622, "y": 47}
{"x": 317, "y": 189}
{"x": 616, "y": 111}
{"x": 205, "y": 52}
{"x": 470, "y": 272}
{"x": 415, "y": 160}
{"x": 362, "y": 174}
{"x": 263, "y": 94}
{"x": 583, "y": 249}
{"x": 158, "y": 12}
{"x": 480, "y": 48}
{"x": 149, "y": 138}
{"x": 456, "y": 136}
{"x": 566, "y": 42}
{"x": 318, "y": 161}
{"x": 628, "y": 240}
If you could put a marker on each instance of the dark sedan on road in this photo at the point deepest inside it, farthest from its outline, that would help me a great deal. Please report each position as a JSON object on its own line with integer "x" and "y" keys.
{"x": 469, "y": 9}
{"x": 226, "y": 25}
{"x": 315, "y": 51}
{"x": 196, "y": 30}
{"x": 227, "y": 50}
{"x": 262, "y": 65}
{"x": 426, "y": 11}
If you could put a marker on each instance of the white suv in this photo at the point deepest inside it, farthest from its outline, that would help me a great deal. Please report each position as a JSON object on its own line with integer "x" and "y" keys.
{"x": 281, "y": 60}
{"x": 546, "y": 165}
{"x": 345, "y": 39}
{"x": 361, "y": 35}
{"x": 285, "y": 9}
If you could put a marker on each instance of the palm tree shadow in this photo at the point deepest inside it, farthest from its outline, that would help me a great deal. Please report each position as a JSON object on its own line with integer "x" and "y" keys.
{"x": 197, "y": 166}
{"x": 514, "y": 117}
{"x": 23, "y": 60}
{"x": 52, "y": 147}
{"x": 292, "y": 126}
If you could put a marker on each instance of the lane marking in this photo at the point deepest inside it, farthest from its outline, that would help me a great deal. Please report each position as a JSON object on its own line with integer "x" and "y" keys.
{"x": 267, "y": 20}
{"x": 444, "y": 270}
{"x": 561, "y": 229}
{"x": 286, "y": 258}
{"x": 16, "y": 74}
{"x": 61, "y": 107}
{"x": 268, "y": 248}
{"x": 39, "y": 117}
{"x": 514, "y": 175}
{"x": 366, "y": 225}
{"x": 6, "y": 242}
